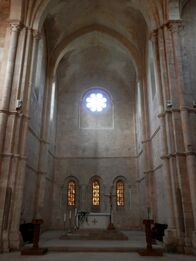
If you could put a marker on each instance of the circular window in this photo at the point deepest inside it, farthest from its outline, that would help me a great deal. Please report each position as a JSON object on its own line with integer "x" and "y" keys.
{"x": 96, "y": 100}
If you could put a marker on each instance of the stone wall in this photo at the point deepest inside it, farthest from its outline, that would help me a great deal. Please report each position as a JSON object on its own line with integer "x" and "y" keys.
{"x": 104, "y": 152}
{"x": 188, "y": 35}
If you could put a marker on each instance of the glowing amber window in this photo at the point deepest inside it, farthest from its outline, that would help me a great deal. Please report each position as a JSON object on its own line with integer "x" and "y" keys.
{"x": 96, "y": 193}
{"x": 120, "y": 201}
{"x": 71, "y": 193}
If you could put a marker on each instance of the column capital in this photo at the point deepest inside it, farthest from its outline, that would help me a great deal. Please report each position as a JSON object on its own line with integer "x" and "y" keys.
{"x": 175, "y": 26}
{"x": 36, "y": 34}
{"x": 172, "y": 25}
{"x": 15, "y": 26}
{"x": 154, "y": 35}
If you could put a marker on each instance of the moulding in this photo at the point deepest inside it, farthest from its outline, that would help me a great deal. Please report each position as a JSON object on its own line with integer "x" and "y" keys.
{"x": 153, "y": 170}
{"x": 169, "y": 24}
{"x": 13, "y": 155}
{"x": 8, "y": 112}
{"x": 182, "y": 108}
{"x": 178, "y": 154}
{"x": 153, "y": 135}
{"x": 89, "y": 157}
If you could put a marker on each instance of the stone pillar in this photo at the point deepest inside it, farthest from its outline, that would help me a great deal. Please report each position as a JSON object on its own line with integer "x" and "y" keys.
{"x": 157, "y": 41}
{"x": 14, "y": 135}
{"x": 147, "y": 150}
{"x": 181, "y": 128}
{"x": 177, "y": 137}
{"x": 7, "y": 85}
{"x": 7, "y": 119}
{"x": 28, "y": 76}
{"x": 43, "y": 155}
{"x": 41, "y": 179}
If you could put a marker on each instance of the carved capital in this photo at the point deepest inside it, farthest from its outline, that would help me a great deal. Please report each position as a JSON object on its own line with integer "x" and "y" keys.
{"x": 36, "y": 34}
{"x": 15, "y": 27}
{"x": 154, "y": 36}
{"x": 175, "y": 26}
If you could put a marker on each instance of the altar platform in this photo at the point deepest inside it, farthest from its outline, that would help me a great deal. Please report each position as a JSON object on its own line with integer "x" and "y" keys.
{"x": 135, "y": 242}
{"x": 95, "y": 234}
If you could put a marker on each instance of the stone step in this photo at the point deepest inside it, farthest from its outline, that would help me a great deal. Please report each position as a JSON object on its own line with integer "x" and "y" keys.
{"x": 93, "y": 249}
{"x": 95, "y": 235}
{"x": 103, "y": 246}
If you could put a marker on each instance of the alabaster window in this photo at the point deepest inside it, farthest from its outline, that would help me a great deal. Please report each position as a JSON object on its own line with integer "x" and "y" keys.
{"x": 120, "y": 199}
{"x": 71, "y": 193}
{"x": 95, "y": 193}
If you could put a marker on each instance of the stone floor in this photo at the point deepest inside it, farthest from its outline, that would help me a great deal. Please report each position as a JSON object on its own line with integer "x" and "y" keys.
{"x": 136, "y": 241}
{"x": 85, "y": 250}
{"x": 93, "y": 257}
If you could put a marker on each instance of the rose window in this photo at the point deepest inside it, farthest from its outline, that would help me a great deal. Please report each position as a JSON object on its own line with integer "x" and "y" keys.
{"x": 96, "y": 102}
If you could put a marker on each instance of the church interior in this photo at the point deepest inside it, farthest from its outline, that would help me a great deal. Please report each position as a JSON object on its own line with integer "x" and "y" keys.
{"x": 98, "y": 117}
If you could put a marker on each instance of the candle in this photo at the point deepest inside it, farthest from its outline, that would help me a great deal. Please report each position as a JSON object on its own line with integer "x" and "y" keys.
{"x": 70, "y": 214}
{"x": 75, "y": 212}
{"x": 64, "y": 218}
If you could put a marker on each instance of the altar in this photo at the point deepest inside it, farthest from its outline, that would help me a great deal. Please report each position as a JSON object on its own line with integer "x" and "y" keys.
{"x": 95, "y": 221}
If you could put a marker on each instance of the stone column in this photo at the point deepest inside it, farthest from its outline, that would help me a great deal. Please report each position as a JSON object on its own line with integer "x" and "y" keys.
{"x": 43, "y": 155}
{"x": 31, "y": 50}
{"x": 181, "y": 131}
{"x": 185, "y": 110}
{"x": 7, "y": 85}
{"x": 177, "y": 137}
{"x": 158, "y": 48}
{"x": 174, "y": 231}
{"x": 147, "y": 150}
{"x": 7, "y": 119}
{"x": 14, "y": 158}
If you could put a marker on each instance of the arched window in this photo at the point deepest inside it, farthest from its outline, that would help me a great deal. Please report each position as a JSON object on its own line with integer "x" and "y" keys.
{"x": 71, "y": 193}
{"x": 120, "y": 198}
{"x": 95, "y": 193}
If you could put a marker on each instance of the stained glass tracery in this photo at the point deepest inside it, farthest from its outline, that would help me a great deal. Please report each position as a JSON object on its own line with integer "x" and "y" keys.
{"x": 120, "y": 194}
{"x": 71, "y": 193}
{"x": 96, "y": 193}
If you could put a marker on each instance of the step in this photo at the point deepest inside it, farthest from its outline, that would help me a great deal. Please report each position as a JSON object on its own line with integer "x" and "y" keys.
{"x": 93, "y": 249}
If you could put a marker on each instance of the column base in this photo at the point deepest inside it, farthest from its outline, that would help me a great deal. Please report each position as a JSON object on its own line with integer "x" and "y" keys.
{"x": 151, "y": 252}
{"x": 15, "y": 240}
{"x": 183, "y": 245}
{"x": 11, "y": 241}
{"x": 171, "y": 241}
{"x": 188, "y": 247}
{"x": 194, "y": 242}
{"x": 33, "y": 251}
